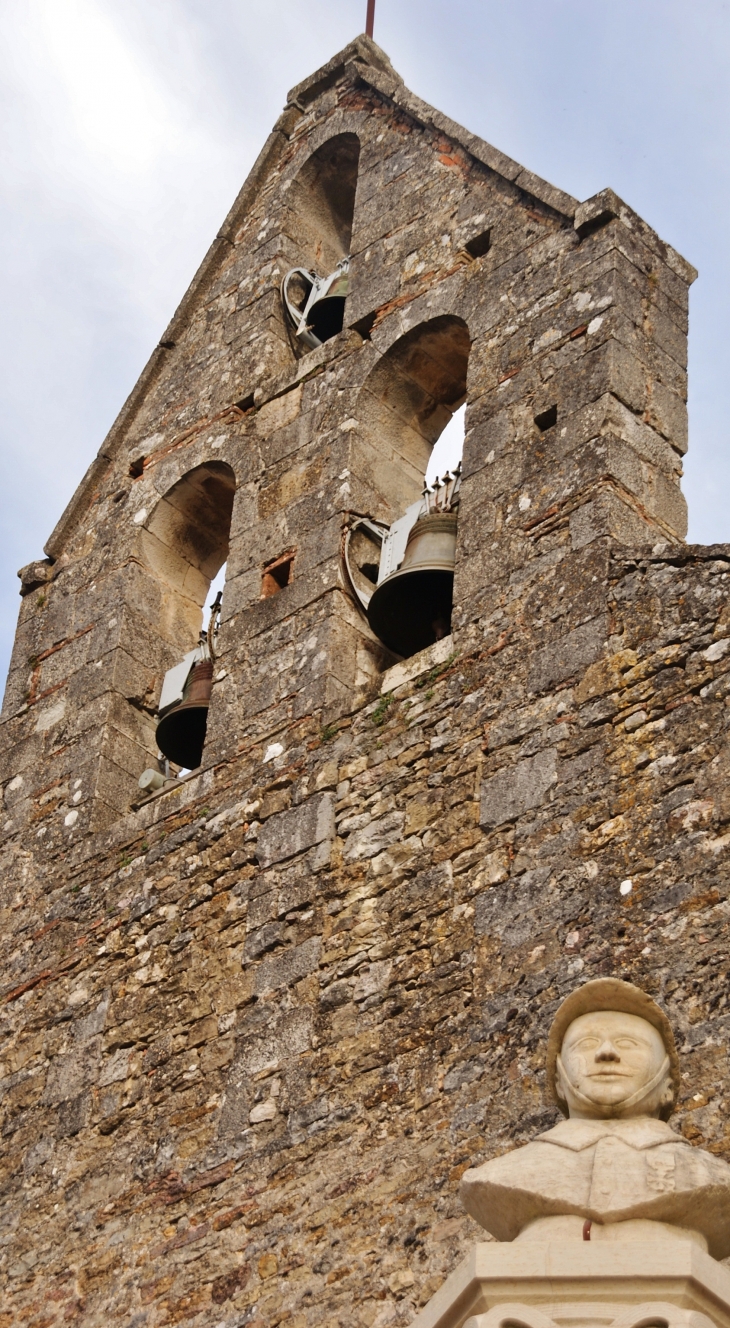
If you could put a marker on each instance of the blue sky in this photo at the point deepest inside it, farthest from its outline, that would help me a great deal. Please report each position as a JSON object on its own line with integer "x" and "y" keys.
{"x": 129, "y": 125}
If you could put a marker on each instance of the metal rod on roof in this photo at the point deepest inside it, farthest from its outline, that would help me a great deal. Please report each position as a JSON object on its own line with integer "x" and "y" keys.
{"x": 370, "y": 20}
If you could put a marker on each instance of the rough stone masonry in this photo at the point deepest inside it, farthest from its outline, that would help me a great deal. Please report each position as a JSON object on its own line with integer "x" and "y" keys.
{"x": 248, "y": 1022}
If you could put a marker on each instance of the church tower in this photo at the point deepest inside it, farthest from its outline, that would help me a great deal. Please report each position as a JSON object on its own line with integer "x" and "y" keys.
{"x": 442, "y": 749}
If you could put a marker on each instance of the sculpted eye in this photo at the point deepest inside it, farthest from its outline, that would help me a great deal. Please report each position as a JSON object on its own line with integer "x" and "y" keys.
{"x": 587, "y": 1042}
{"x": 626, "y": 1042}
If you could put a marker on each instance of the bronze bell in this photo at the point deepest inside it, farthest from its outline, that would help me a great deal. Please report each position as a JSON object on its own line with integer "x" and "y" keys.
{"x": 322, "y": 314}
{"x": 181, "y": 732}
{"x": 327, "y": 311}
{"x": 411, "y": 608}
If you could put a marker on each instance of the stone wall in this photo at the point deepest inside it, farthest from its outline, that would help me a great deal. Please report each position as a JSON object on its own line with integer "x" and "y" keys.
{"x": 255, "y": 1027}
{"x": 252, "y": 1038}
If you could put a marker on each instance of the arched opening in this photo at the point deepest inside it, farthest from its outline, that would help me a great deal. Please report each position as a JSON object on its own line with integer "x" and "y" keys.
{"x": 321, "y": 210}
{"x": 322, "y": 203}
{"x": 411, "y": 398}
{"x": 185, "y": 545}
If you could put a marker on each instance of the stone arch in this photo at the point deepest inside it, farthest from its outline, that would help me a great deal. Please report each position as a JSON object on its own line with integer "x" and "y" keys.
{"x": 322, "y": 203}
{"x": 408, "y": 399}
{"x": 184, "y": 543}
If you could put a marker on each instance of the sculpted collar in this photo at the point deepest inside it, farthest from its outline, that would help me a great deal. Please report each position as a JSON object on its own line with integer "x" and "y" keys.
{"x": 637, "y": 1132}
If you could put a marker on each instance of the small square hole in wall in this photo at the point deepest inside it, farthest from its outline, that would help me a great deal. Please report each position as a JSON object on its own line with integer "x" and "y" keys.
{"x": 365, "y": 325}
{"x": 137, "y": 467}
{"x": 478, "y": 245}
{"x": 547, "y": 418}
{"x": 277, "y": 575}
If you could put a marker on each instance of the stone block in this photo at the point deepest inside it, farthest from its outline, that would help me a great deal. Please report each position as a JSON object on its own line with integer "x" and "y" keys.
{"x": 371, "y": 839}
{"x": 667, "y": 411}
{"x": 610, "y": 513}
{"x": 291, "y": 832}
{"x": 375, "y": 288}
{"x": 517, "y": 789}
{"x": 568, "y": 655}
{"x": 515, "y": 912}
{"x": 399, "y": 674}
{"x": 597, "y": 211}
{"x": 72, "y": 1072}
{"x": 289, "y": 966}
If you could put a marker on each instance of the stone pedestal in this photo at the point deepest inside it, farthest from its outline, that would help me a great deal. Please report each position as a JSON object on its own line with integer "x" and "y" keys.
{"x": 603, "y": 1284}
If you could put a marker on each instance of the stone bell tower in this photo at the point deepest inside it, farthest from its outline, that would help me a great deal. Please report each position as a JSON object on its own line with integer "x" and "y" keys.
{"x": 248, "y": 1012}
{"x": 561, "y": 326}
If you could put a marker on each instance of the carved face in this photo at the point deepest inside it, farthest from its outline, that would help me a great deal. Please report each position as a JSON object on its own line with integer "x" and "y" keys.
{"x": 607, "y": 1059}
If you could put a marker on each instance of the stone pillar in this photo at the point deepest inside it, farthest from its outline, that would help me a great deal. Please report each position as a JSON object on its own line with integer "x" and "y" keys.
{"x": 578, "y": 424}
{"x": 624, "y": 1284}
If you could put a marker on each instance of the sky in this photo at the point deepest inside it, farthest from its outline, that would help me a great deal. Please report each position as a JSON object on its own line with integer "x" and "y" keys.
{"x": 128, "y": 126}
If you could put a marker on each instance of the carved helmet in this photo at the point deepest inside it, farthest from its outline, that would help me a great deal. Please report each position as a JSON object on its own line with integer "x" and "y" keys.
{"x": 610, "y": 994}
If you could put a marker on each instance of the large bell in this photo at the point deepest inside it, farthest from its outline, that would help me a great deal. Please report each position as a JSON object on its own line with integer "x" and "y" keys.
{"x": 411, "y": 608}
{"x": 323, "y": 312}
{"x": 326, "y": 312}
{"x": 181, "y": 732}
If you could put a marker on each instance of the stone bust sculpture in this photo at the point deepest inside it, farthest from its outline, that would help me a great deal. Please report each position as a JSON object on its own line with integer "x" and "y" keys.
{"x": 614, "y": 1169}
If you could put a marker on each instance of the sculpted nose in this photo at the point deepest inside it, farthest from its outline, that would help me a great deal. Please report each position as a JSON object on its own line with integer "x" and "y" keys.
{"x": 607, "y": 1052}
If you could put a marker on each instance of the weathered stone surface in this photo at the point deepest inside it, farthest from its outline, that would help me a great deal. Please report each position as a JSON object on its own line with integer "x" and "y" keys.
{"x": 288, "y": 967}
{"x": 288, "y": 833}
{"x": 567, "y": 656}
{"x": 511, "y": 793}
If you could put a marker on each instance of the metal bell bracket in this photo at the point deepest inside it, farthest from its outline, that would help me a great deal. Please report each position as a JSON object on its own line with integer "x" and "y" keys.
{"x": 376, "y": 532}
